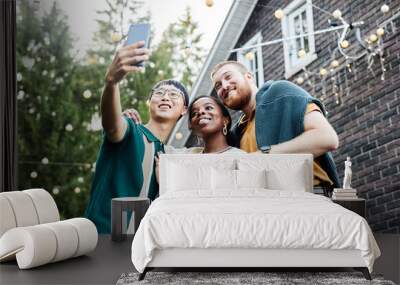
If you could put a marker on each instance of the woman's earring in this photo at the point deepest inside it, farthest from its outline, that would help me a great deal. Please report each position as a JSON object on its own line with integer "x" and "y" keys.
{"x": 225, "y": 130}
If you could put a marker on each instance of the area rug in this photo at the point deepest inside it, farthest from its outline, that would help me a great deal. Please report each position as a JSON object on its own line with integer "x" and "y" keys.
{"x": 243, "y": 278}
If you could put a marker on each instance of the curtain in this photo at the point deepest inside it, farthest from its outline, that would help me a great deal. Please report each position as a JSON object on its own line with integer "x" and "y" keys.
{"x": 8, "y": 104}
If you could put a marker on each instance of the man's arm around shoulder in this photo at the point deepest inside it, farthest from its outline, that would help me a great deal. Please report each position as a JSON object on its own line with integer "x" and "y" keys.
{"x": 318, "y": 137}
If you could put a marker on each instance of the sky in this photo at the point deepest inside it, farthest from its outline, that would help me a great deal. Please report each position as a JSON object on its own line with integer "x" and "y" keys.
{"x": 82, "y": 14}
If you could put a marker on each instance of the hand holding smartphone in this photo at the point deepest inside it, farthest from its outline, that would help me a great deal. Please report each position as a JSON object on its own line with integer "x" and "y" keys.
{"x": 137, "y": 33}
{"x": 131, "y": 55}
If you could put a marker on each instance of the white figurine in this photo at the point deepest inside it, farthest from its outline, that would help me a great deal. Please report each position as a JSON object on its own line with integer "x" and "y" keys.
{"x": 347, "y": 174}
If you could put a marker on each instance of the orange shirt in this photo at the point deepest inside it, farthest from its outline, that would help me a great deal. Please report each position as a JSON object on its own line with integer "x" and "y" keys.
{"x": 248, "y": 143}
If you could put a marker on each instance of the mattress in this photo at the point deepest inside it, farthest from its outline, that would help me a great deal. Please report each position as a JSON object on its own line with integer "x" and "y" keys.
{"x": 250, "y": 219}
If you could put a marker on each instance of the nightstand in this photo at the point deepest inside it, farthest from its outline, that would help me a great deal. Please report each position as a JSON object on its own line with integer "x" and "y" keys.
{"x": 355, "y": 205}
{"x": 137, "y": 205}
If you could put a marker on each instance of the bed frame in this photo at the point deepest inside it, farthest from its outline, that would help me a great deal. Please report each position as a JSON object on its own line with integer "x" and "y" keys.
{"x": 242, "y": 259}
{"x": 246, "y": 258}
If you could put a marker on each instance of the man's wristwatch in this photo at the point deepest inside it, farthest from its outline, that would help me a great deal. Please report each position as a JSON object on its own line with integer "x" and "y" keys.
{"x": 265, "y": 148}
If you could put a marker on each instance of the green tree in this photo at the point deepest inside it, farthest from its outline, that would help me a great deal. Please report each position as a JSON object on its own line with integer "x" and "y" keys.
{"x": 113, "y": 26}
{"x": 178, "y": 55}
{"x": 59, "y": 129}
{"x": 186, "y": 51}
{"x": 55, "y": 149}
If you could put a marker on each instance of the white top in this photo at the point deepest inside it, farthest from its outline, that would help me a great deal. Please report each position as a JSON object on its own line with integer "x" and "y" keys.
{"x": 193, "y": 150}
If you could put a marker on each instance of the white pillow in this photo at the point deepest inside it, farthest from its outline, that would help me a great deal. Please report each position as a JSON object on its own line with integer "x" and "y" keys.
{"x": 251, "y": 178}
{"x": 223, "y": 179}
{"x": 185, "y": 177}
{"x": 294, "y": 180}
{"x": 283, "y": 172}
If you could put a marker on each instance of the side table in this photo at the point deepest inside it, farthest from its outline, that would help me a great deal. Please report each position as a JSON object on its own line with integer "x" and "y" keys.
{"x": 137, "y": 205}
{"x": 356, "y": 205}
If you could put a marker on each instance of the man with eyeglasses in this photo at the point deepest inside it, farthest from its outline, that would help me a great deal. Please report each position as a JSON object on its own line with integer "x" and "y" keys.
{"x": 125, "y": 164}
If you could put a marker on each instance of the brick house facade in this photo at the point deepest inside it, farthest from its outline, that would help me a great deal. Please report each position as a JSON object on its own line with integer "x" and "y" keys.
{"x": 368, "y": 118}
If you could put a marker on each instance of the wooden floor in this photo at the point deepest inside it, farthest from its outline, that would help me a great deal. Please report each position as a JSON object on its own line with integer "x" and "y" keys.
{"x": 102, "y": 266}
{"x": 106, "y": 264}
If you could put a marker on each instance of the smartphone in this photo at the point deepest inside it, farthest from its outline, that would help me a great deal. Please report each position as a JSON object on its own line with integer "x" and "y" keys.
{"x": 139, "y": 32}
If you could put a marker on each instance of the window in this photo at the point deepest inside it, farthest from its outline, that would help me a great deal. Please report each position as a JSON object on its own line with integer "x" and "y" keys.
{"x": 298, "y": 26}
{"x": 252, "y": 59}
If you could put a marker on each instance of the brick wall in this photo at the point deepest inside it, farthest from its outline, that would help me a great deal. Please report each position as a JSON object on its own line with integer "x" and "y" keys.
{"x": 368, "y": 118}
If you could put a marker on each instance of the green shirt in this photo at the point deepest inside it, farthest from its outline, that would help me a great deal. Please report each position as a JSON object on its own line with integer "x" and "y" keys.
{"x": 123, "y": 169}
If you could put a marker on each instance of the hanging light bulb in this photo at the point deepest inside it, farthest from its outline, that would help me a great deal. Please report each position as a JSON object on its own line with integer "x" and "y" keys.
{"x": 249, "y": 56}
{"x": 373, "y": 38}
{"x": 337, "y": 14}
{"x": 279, "y": 14}
{"x": 161, "y": 73}
{"x": 87, "y": 94}
{"x": 209, "y": 3}
{"x": 116, "y": 37}
{"x": 385, "y": 8}
{"x": 300, "y": 80}
{"x": 301, "y": 53}
{"x": 92, "y": 59}
{"x": 323, "y": 71}
{"x": 335, "y": 63}
{"x": 380, "y": 32}
{"x": 178, "y": 136}
{"x": 345, "y": 44}
{"x": 69, "y": 127}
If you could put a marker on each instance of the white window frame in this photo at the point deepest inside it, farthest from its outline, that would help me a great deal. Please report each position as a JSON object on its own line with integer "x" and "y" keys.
{"x": 292, "y": 63}
{"x": 255, "y": 65}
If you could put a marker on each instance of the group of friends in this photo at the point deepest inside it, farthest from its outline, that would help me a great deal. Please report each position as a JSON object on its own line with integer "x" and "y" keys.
{"x": 279, "y": 117}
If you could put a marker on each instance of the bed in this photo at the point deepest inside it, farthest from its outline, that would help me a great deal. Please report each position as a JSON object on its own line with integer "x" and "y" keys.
{"x": 247, "y": 210}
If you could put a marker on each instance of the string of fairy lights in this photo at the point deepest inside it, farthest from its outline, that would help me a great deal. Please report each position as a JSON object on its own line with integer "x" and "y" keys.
{"x": 56, "y": 189}
{"x": 342, "y": 58}
{"x": 371, "y": 46}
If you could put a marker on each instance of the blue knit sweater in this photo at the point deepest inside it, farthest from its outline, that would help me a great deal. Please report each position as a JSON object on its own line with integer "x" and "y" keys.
{"x": 280, "y": 110}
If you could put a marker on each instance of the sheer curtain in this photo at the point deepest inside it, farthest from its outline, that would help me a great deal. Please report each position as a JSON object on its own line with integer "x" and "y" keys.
{"x": 8, "y": 104}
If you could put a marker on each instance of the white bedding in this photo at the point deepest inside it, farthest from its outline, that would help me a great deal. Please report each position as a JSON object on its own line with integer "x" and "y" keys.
{"x": 252, "y": 218}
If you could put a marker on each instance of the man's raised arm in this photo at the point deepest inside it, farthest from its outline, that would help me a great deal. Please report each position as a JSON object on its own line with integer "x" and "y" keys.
{"x": 123, "y": 63}
{"x": 318, "y": 138}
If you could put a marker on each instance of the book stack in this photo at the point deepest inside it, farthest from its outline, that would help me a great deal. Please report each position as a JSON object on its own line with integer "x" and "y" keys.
{"x": 344, "y": 194}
